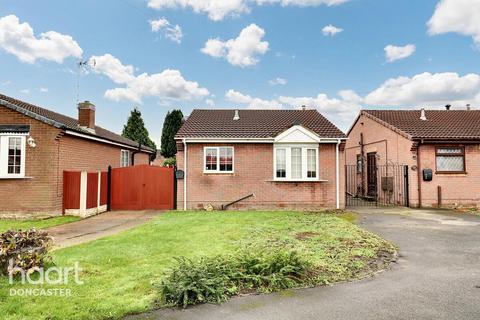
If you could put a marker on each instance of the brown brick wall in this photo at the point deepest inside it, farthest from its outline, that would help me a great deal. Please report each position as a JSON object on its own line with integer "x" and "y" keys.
{"x": 457, "y": 189}
{"x": 391, "y": 148}
{"x": 34, "y": 195}
{"x": 253, "y": 166}
{"x": 40, "y": 193}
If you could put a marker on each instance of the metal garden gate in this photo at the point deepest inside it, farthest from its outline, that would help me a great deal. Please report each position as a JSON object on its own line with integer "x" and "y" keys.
{"x": 376, "y": 185}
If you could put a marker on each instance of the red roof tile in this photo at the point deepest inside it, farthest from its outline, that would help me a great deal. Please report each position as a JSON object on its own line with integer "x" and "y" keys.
{"x": 254, "y": 124}
{"x": 440, "y": 124}
{"x": 62, "y": 121}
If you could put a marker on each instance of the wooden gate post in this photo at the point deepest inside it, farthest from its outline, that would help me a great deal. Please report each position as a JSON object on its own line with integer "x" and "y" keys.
{"x": 109, "y": 187}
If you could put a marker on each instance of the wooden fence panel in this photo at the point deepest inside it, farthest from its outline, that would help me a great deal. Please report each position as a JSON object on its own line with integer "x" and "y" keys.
{"x": 92, "y": 189}
{"x": 71, "y": 190}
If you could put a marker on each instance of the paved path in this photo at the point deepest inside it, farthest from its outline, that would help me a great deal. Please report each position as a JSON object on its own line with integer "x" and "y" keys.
{"x": 99, "y": 226}
{"x": 436, "y": 277}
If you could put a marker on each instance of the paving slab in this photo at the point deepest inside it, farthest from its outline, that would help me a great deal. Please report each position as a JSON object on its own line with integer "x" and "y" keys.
{"x": 98, "y": 226}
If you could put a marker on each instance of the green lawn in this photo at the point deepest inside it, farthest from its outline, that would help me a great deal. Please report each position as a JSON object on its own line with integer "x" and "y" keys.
{"x": 6, "y": 224}
{"x": 119, "y": 272}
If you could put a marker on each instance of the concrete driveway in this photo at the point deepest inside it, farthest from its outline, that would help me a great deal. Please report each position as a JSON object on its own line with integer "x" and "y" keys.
{"x": 437, "y": 276}
{"x": 99, "y": 226}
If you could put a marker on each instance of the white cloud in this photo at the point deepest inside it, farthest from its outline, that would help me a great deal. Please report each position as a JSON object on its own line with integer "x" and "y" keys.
{"x": 219, "y": 9}
{"x": 43, "y": 89}
{"x": 241, "y": 51}
{"x": 25, "y": 91}
{"x": 460, "y": 16}
{"x": 277, "y": 81}
{"x": 156, "y": 25}
{"x": 172, "y": 32}
{"x": 393, "y": 53}
{"x": 112, "y": 68}
{"x": 166, "y": 84}
{"x": 210, "y": 102}
{"x": 252, "y": 103}
{"x": 18, "y": 39}
{"x": 427, "y": 89}
{"x": 342, "y": 109}
{"x": 6, "y": 83}
{"x": 331, "y": 30}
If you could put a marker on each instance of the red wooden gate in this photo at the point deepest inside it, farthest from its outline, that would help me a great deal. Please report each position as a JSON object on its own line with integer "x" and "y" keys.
{"x": 142, "y": 187}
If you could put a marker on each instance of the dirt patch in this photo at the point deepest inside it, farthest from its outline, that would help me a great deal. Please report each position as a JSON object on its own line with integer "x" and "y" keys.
{"x": 382, "y": 262}
{"x": 306, "y": 235}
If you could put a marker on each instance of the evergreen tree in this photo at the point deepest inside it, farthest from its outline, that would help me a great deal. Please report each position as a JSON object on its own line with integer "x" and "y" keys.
{"x": 171, "y": 125}
{"x": 135, "y": 129}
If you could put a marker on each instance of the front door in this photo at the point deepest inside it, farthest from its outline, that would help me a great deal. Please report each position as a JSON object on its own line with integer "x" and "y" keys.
{"x": 372, "y": 174}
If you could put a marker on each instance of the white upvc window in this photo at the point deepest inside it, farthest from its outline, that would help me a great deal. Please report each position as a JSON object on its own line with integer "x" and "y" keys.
{"x": 12, "y": 156}
{"x": 218, "y": 159}
{"x": 296, "y": 163}
{"x": 124, "y": 158}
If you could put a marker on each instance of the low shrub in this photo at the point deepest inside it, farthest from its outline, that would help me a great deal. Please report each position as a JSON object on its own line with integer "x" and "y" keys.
{"x": 169, "y": 162}
{"x": 26, "y": 249}
{"x": 215, "y": 279}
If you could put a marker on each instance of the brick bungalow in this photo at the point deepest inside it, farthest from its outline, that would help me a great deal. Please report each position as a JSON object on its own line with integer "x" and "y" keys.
{"x": 440, "y": 147}
{"x": 37, "y": 145}
{"x": 274, "y": 158}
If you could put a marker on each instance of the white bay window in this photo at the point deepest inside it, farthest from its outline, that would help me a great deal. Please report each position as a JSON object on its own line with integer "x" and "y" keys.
{"x": 12, "y": 156}
{"x": 296, "y": 163}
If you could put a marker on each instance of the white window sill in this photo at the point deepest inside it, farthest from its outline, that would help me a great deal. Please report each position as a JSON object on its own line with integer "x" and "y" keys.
{"x": 218, "y": 172}
{"x": 14, "y": 178}
{"x": 298, "y": 180}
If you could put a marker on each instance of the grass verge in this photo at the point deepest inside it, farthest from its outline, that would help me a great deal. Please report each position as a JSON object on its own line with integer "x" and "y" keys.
{"x": 12, "y": 224}
{"x": 120, "y": 271}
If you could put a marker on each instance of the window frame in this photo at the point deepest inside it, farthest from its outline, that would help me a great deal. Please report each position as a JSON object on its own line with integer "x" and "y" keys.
{"x": 218, "y": 171}
{"x": 4, "y": 145}
{"x": 275, "y": 168}
{"x": 463, "y": 155}
{"x": 129, "y": 162}
{"x": 288, "y": 161}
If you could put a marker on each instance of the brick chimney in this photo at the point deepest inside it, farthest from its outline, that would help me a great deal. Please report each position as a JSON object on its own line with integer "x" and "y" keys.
{"x": 86, "y": 115}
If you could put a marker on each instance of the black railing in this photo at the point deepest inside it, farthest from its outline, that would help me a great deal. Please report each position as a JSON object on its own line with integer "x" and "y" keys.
{"x": 376, "y": 185}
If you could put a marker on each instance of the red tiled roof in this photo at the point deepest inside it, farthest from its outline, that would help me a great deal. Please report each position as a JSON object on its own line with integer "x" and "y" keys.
{"x": 254, "y": 124}
{"x": 440, "y": 124}
{"x": 62, "y": 121}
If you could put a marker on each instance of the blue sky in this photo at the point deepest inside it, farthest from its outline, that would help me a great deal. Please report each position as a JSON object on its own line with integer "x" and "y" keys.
{"x": 378, "y": 54}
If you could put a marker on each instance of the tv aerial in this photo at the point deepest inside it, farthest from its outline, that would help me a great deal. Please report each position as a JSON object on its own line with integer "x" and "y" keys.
{"x": 82, "y": 66}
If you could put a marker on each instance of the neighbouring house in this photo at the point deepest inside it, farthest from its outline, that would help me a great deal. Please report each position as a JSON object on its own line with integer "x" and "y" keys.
{"x": 439, "y": 148}
{"x": 267, "y": 159}
{"x": 158, "y": 161}
{"x": 37, "y": 145}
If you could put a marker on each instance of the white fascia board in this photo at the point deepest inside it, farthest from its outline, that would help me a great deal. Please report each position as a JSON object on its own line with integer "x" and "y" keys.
{"x": 247, "y": 140}
{"x": 77, "y": 134}
{"x": 228, "y": 140}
